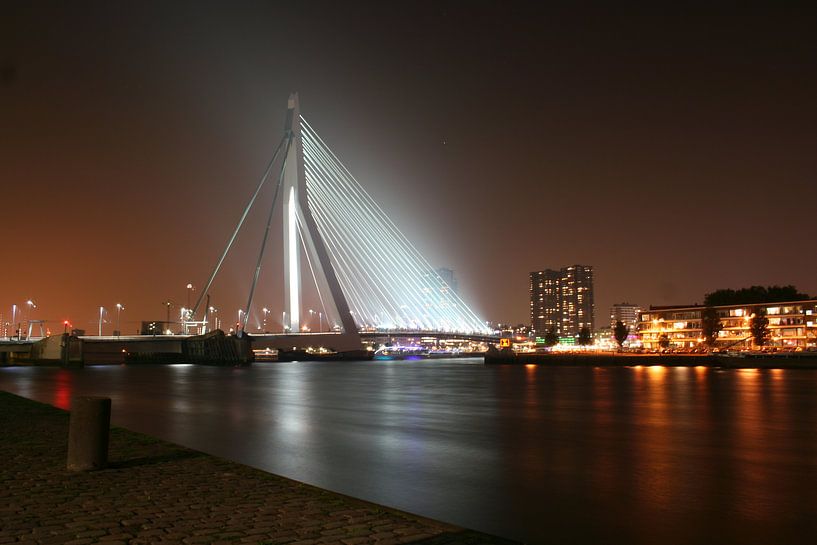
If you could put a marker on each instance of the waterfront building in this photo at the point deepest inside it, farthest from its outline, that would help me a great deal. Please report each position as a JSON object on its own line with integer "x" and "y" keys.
{"x": 626, "y": 313}
{"x": 563, "y": 299}
{"x": 578, "y": 308}
{"x": 791, "y": 325}
{"x": 603, "y": 337}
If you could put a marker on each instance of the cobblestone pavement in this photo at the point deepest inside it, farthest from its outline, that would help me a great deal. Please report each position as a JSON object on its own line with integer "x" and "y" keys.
{"x": 157, "y": 492}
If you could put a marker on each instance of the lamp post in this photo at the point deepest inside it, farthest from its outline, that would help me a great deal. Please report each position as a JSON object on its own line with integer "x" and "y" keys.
{"x": 284, "y": 323}
{"x": 213, "y": 311}
{"x": 168, "y": 304}
{"x": 101, "y": 312}
{"x": 265, "y": 310}
{"x": 320, "y": 321}
{"x": 31, "y": 307}
{"x": 189, "y": 291}
{"x": 240, "y": 323}
{"x": 119, "y": 309}
{"x": 311, "y": 313}
{"x": 183, "y": 319}
{"x": 14, "y": 320}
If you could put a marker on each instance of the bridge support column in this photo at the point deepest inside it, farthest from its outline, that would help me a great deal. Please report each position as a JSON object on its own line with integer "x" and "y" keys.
{"x": 292, "y": 261}
{"x": 298, "y": 215}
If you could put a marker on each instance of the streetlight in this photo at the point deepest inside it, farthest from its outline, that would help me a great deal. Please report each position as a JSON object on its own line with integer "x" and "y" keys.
{"x": 185, "y": 316}
{"x": 101, "y": 312}
{"x": 183, "y": 320}
{"x": 31, "y": 307}
{"x": 284, "y": 322}
{"x": 265, "y": 310}
{"x": 213, "y": 311}
{"x": 119, "y": 309}
{"x": 168, "y": 304}
{"x": 189, "y": 290}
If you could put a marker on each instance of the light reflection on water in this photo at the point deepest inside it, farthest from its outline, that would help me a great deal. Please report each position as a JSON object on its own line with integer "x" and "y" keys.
{"x": 564, "y": 454}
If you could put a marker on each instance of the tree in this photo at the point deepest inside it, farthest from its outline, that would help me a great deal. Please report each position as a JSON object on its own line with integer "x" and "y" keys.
{"x": 585, "y": 337}
{"x": 754, "y": 295}
{"x": 711, "y": 326}
{"x": 663, "y": 341}
{"x": 620, "y": 333}
{"x": 551, "y": 337}
{"x": 759, "y": 327}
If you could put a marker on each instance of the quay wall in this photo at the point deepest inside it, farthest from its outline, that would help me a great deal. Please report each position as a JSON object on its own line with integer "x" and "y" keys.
{"x": 159, "y": 492}
{"x": 214, "y": 348}
{"x": 760, "y": 361}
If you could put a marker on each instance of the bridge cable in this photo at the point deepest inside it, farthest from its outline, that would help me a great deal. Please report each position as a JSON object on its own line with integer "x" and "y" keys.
{"x": 266, "y": 233}
{"x": 398, "y": 250}
{"x": 311, "y": 269}
{"x": 261, "y": 183}
{"x": 382, "y": 274}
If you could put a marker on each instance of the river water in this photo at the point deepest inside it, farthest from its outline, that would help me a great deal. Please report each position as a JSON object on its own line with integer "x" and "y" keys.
{"x": 635, "y": 455}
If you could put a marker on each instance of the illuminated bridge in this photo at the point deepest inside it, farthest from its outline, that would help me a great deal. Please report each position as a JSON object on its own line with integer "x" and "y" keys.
{"x": 369, "y": 278}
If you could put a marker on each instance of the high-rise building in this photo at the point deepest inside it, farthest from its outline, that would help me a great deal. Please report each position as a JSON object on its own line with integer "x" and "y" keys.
{"x": 627, "y": 314}
{"x": 448, "y": 277}
{"x": 578, "y": 308}
{"x": 563, "y": 299}
{"x": 545, "y": 310}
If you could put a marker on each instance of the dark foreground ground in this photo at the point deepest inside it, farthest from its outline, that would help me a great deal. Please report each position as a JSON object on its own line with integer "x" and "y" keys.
{"x": 158, "y": 492}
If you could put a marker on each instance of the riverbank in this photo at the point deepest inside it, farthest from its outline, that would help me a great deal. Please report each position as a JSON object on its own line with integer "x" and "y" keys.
{"x": 760, "y": 361}
{"x": 158, "y": 492}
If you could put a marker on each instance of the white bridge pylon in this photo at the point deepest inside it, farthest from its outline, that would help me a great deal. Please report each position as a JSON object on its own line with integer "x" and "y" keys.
{"x": 367, "y": 274}
{"x": 299, "y": 223}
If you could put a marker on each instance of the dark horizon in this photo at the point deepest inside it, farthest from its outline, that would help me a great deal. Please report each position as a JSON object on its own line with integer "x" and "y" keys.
{"x": 672, "y": 151}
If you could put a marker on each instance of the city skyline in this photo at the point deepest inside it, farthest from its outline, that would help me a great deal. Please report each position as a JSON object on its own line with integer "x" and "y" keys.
{"x": 126, "y": 159}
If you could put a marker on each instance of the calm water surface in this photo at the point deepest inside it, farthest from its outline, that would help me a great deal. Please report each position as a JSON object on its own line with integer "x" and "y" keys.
{"x": 638, "y": 455}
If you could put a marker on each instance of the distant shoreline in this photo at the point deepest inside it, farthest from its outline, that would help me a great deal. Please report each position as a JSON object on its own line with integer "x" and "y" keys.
{"x": 760, "y": 361}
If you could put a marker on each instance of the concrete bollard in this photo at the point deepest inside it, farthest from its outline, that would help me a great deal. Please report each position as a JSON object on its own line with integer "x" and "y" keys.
{"x": 88, "y": 433}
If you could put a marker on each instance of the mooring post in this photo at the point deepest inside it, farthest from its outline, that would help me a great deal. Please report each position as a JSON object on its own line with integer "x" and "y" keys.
{"x": 88, "y": 433}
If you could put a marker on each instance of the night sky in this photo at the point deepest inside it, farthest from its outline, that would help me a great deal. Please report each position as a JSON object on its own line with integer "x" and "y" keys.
{"x": 675, "y": 152}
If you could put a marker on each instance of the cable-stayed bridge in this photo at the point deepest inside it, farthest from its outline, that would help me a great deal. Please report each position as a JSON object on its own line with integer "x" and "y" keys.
{"x": 371, "y": 281}
{"x": 369, "y": 278}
